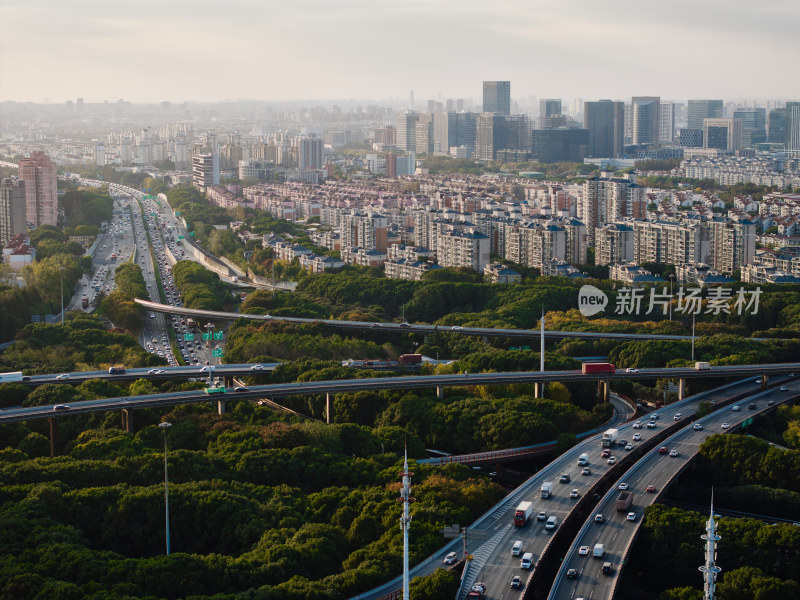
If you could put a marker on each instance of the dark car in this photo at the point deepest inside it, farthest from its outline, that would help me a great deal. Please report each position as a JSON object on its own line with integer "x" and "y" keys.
{"x": 572, "y": 574}
{"x": 607, "y": 568}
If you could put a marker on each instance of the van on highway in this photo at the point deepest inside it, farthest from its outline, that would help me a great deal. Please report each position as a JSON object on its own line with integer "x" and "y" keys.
{"x": 516, "y": 549}
{"x": 551, "y": 524}
{"x": 583, "y": 459}
{"x": 527, "y": 560}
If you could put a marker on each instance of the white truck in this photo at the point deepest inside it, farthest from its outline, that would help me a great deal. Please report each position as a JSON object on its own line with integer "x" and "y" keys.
{"x": 11, "y": 377}
{"x": 609, "y": 437}
{"x": 702, "y": 366}
{"x": 599, "y": 551}
{"x": 583, "y": 459}
{"x": 547, "y": 489}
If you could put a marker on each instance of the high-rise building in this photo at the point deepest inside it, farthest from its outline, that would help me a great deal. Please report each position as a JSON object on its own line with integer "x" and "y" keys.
{"x": 605, "y": 121}
{"x": 646, "y": 121}
{"x": 613, "y": 244}
{"x": 364, "y": 230}
{"x": 99, "y": 154}
{"x": 793, "y": 129}
{"x": 733, "y": 244}
{"x": 406, "y": 130}
{"x": 754, "y": 125}
{"x": 666, "y": 122}
{"x": 497, "y": 97}
{"x": 203, "y": 171}
{"x": 723, "y": 134}
{"x": 605, "y": 200}
{"x": 41, "y": 189}
{"x": 311, "y": 153}
{"x": 558, "y": 145}
{"x": 777, "y": 126}
{"x": 691, "y": 138}
{"x": 463, "y": 249}
{"x": 489, "y": 136}
{"x": 12, "y": 209}
{"x": 424, "y": 134}
{"x": 699, "y": 110}
{"x": 550, "y": 115}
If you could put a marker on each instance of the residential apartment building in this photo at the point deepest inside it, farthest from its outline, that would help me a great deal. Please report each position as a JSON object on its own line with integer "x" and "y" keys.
{"x": 608, "y": 199}
{"x": 613, "y": 244}
{"x": 364, "y": 230}
{"x": 463, "y": 249}
{"x": 41, "y": 189}
{"x": 202, "y": 171}
{"x": 13, "y": 214}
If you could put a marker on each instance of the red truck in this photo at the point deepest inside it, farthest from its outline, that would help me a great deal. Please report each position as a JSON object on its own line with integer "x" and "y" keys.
{"x": 410, "y": 359}
{"x": 598, "y": 368}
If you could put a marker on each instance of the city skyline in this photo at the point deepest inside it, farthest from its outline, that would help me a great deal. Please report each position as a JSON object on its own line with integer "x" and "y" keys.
{"x": 309, "y": 50}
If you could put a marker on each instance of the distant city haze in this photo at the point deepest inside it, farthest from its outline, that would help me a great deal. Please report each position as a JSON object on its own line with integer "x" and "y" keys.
{"x": 181, "y": 50}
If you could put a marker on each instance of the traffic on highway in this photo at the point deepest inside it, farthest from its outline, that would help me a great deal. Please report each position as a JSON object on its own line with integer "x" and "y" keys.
{"x": 591, "y": 568}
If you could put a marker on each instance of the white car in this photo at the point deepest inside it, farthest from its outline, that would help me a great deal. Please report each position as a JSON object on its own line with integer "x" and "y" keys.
{"x": 456, "y": 328}
{"x": 673, "y": 453}
{"x": 677, "y": 417}
{"x": 784, "y": 388}
{"x": 583, "y": 551}
{"x": 725, "y": 425}
{"x": 637, "y": 425}
{"x": 630, "y": 370}
{"x": 736, "y": 408}
{"x": 651, "y": 425}
{"x": 623, "y": 486}
{"x": 575, "y": 493}
{"x": 257, "y": 367}
{"x": 637, "y": 437}
{"x": 697, "y": 426}
{"x": 631, "y": 516}
{"x": 450, "y": 558}
{"x": 63, "y": 376}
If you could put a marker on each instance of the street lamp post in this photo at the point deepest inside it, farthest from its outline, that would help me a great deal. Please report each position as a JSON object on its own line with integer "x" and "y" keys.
{"x": 164, "y": 426}
{"x": 671, "y": 278}
{"x": 692, "y": 336}
{"x": 61, "y": 288}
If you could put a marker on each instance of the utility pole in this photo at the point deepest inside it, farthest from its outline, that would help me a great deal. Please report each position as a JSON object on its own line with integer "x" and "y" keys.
{"x": 692, "y": 336}
{"x": 61, "y": 274}
{"x": 164, "y": 426}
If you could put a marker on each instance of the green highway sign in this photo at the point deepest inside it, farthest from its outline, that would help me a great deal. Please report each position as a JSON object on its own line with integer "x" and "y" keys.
{"x": 217, "y": 353}
{"x": 206, "y": 336}
{"x": 525, "y": 348}
{"x": 219, "y": 335}
{"x": 188, "y": 337}
{"x": 177, "y": 213}
{"x": 191, "y": 233}
{"x": 748, "y": 421}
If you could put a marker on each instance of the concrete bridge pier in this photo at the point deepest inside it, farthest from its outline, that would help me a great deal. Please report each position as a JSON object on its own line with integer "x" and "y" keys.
{"x": 127, "y": 419}
{"x": 440, "y": 392}
{"x": 603, "y": 390}
{"x": 538, "y": 389}
{"x": 328, "y": 409}
{"x": 220, "y": 407}
{"x": 228, "y": 381}
{"x": 53, "y": 436}
{"x": 681, "y": 389}
{"x": 764, "y": 381}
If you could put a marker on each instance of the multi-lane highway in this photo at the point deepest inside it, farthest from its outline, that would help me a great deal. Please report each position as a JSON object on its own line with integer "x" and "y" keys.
{"x": 492, "y": 561}
{"x": 616, "y": 532}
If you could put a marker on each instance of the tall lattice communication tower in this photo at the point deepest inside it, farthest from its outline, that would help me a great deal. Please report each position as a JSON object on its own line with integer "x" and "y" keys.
{"x": 710, "y": 568}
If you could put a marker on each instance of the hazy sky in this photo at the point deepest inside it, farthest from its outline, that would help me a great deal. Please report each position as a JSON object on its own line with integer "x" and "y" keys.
{"x": 153, "y": 50}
